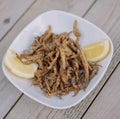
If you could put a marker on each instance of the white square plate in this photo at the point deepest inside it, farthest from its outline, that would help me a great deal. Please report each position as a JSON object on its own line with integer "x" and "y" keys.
{"x": 60, "y": 22}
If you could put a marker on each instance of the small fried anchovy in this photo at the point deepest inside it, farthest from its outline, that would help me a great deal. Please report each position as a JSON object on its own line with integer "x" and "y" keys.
{"x": 54, "y": 61}
{"x": 75, "y": 29}
{"x": 62, "y": 65}
{"x": 63, "y": 58}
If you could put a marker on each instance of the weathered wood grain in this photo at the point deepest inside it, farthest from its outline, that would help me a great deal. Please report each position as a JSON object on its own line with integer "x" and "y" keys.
{"x": 8, "y": 96}
{"x": 10, "y": 12}
{"x": 98, "y": 15}
{"x": 102, "y": 13}
{"x": 79, "y": 110}
{"x": 39, "y": 7}
{"x": 107, "y": 104}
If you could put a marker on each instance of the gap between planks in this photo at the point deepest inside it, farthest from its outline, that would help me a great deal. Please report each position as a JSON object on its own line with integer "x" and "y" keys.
{"x": 30, "y": 7}
{"x": 106, "y": 105}
{"x": 100, "y": 90}
{"x": 17, "y": 20}
{"x": 67, "y": 7}
{"x": 13, "y": 105}
{"x": 10, "y": 30}
{"x": 89, "y": 8}
{"x": 108, "y": 76}
{"x": 115, "y": 61}
{"x": 105, "y": 82}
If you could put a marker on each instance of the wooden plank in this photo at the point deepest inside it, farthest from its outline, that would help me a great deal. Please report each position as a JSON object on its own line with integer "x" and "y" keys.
{"x": 106, "y": 105}
{"x": 107, "y": 18}
{"x": 39, "y": 7}
{"x": 37, "y": 10}
{"x": 98, "y": 15}
{"x": 8, "y": 96}
{"x": 11, "y": 11}
{"x": 98, "y": 11}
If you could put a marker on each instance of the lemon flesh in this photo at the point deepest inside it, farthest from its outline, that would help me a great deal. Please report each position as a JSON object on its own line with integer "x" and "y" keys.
{"x": 97, "y": 51}
{"x": 17, "y": 67}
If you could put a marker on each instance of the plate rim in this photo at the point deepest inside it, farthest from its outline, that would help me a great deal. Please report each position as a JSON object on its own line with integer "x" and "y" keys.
{"x": 95, "y": 84}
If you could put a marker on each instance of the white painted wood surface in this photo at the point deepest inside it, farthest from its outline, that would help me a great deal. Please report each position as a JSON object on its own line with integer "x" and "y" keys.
{"x": 38, "y": 8}
{"x": 107, "y": 104}
{"x": 10, "y": 12}
{"x": 8, "y": 93}
{"x": 103, "y": 13}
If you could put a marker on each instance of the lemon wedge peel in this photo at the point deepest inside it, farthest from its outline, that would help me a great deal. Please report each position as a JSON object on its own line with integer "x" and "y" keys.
{"x": 97, "y": 51}
{"x": 94, "y": 52}
{"x": 17, "y": 67}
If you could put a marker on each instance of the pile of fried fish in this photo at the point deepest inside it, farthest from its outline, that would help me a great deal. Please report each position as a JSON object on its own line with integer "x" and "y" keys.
{"x": 62, "y": 65}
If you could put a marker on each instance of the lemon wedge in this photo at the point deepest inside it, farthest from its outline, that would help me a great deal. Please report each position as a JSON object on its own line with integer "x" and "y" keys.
{"x": 17, "y": 67}
{"x": 97, "y": 51}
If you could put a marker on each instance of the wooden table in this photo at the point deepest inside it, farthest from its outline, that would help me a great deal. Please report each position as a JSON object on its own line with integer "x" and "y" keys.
{"x": 104, "y": 101}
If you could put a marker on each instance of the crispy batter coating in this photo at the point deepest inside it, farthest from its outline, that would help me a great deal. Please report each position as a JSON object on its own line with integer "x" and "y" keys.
{"x": 62, "y": 65}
